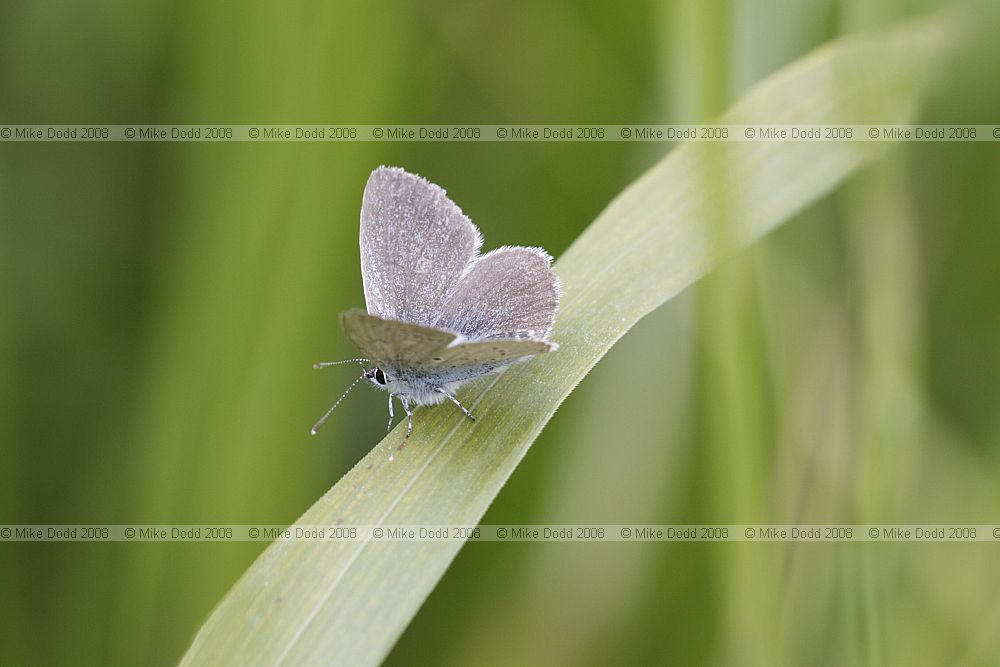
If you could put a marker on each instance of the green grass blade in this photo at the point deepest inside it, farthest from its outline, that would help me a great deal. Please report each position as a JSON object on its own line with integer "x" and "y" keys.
{"x": 347, "y": 602}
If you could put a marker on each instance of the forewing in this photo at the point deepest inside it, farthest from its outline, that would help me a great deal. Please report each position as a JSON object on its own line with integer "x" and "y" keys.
{"x": 391, "y": 341}
{"x": 415, "y": 244}
{"x": 506, "y": 293}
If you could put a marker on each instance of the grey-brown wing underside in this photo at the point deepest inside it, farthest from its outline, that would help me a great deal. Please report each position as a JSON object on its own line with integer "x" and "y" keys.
{"x": 398, "y": 343}
{"x": 415, "y": 244}
{"x": 489, "y": 352}
{"x": 463, "y": 361}
{"x": 510, "y": 292}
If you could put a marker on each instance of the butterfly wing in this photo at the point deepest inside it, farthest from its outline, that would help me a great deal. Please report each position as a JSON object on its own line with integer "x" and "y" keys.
{"x": 391, "y": 342}
{"x": 433, "y": 355}
{"x": 506, "y": 293}
{"x": 415, "y": 244}
{"x": 464, "y": 361}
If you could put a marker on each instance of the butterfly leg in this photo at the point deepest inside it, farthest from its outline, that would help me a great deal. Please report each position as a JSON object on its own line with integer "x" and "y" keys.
{"x": 409, "y": 414}
{"x": 455, "y": 401}
{"x": 389, "y": 427}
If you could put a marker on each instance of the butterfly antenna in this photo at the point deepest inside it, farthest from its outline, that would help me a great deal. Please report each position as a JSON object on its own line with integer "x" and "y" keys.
{"x": 334, "y": 406}
{"x": 324, "y": 364}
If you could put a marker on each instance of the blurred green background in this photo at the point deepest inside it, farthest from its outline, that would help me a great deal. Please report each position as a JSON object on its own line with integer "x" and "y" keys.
{"x": 161, "y": 305}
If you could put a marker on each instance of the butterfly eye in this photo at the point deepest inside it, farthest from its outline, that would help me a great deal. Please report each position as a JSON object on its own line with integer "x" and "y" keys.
{"x": 379, "y": 376}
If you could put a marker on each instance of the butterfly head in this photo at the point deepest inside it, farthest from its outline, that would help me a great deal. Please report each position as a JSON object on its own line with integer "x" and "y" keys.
{"x": 377, "y": 377}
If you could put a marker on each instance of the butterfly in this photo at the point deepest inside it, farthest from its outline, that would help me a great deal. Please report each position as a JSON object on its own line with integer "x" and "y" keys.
{"x": 439, "y": 313}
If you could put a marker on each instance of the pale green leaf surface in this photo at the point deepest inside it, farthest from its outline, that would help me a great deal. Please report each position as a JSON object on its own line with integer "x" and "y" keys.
{"x": 304, "y": 603}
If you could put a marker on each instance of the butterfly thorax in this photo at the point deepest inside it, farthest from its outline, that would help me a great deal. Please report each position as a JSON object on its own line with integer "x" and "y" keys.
{"x": 416, "y": 386}
{"x": 419, "y": 391}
